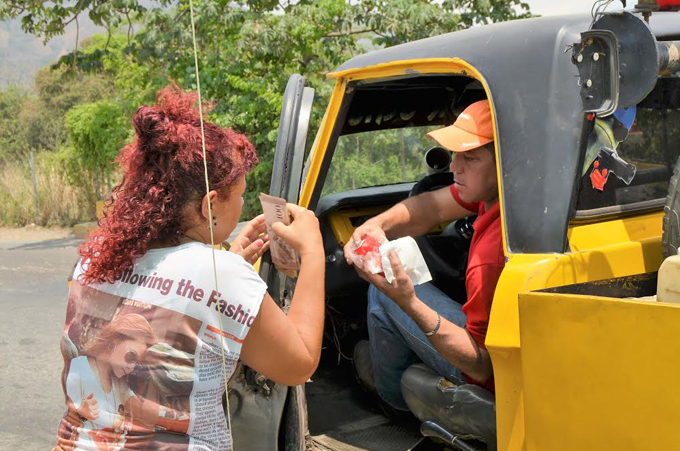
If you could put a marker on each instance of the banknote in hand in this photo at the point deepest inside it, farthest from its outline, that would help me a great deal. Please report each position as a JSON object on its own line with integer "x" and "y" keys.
{"x": 284, "y": 257}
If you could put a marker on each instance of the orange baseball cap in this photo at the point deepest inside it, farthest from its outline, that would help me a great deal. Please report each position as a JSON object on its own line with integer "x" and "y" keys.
{"x": 472, "y": 129}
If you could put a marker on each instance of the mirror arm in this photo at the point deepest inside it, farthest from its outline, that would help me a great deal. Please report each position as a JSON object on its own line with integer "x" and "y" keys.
{"x": 668, "y": 56}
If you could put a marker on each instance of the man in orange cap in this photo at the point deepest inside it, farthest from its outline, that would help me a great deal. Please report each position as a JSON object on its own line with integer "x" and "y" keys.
{"x": 410, "y": 324}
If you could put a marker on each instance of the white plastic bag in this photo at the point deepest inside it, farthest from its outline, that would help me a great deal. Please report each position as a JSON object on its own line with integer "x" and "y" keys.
{"x": 411, "y": 259}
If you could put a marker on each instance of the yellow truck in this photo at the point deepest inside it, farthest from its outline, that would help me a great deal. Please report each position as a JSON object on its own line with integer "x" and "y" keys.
{"x": 580, "y": 362}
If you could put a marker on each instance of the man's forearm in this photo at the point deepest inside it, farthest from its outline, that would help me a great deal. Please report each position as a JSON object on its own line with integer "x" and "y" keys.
{"x": 414, "y": 216}
{"x": 454, "y": 343}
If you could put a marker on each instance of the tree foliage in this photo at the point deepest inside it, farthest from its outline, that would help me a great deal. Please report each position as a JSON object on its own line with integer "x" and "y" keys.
{"x": 35, "y": 120}
{"x": 96, "y": 131}
{"x": 247, "y": 49}
{"x": 12, "y": 135}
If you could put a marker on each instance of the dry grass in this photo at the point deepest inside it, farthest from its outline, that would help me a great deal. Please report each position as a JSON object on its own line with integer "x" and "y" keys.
{"x": 59, "y": 204}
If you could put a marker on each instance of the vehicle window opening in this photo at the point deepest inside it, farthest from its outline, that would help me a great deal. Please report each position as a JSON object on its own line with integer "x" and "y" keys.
{"x": 647, "y": 150}
{"x": 383, "y": 139}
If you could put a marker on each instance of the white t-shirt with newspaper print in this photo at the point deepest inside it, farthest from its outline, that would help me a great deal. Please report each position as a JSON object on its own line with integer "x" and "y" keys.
{"x": 171, "y": 362}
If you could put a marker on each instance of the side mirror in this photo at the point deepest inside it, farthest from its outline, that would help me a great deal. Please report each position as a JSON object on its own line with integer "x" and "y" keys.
{"x": 597, "y": 60}
{"x": 618, "y": 61}
{"x": 437, "y": 159}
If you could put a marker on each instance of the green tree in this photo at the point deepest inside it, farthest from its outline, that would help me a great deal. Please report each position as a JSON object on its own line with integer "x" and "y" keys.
{"x": 61, "y": 88}
{"x": 57, "y": 91}
{"x": 247, "y": 48}
{"x": 12, "y": 137}
{"x": 107, "y": 59}
{"x": 49, "y": 19}
{"x": 96, "y": 131}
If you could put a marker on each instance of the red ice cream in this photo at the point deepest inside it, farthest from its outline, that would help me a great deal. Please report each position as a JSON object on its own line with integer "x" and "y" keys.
{"x": 368, "y": 244}
{"x": 370, "y": 252}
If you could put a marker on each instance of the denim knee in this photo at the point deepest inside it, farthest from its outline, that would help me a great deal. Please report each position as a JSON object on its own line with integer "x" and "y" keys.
{"x": 375, "y": 297}
{"x": 375, "y": 308}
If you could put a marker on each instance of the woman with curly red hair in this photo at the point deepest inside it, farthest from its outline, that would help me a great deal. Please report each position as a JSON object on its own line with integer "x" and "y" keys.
{"x": 201, "y": 309}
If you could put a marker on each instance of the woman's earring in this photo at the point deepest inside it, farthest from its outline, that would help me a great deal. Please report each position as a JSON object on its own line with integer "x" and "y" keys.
{"x": 214, "y": 223}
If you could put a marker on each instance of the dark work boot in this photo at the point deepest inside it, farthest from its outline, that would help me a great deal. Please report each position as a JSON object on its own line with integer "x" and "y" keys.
{"x": 468, "y": 411}
{"x": 363, "y": 369}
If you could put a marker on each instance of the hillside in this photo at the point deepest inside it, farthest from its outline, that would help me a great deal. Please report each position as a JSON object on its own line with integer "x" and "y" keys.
{"x": 22, "y": 54}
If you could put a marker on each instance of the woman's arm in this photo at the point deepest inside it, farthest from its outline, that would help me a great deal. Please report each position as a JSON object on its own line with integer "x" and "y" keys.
{"x": 148, "y": 413}
{"x": 287, "y": 348}
{"x": 143, "y": 410}
{"x": 86, "y": 407}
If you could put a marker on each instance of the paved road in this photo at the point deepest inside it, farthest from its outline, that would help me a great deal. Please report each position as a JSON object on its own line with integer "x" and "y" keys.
{"x": 33, "y": 296}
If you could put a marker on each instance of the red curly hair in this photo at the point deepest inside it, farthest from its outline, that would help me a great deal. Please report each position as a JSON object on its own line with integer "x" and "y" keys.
{"x": 162, "y": 173}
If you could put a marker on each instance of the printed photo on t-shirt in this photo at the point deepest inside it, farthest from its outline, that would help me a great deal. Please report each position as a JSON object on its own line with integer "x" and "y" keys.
{"x": 147, "y": 357}
{"x": 129, "y": 369}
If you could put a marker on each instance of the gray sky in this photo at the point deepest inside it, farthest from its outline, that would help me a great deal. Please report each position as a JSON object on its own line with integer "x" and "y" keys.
{"x": 552, "y": 7}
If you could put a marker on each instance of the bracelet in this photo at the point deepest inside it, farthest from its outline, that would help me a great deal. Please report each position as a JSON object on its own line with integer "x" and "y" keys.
{"x": 436, "y": 328}
{"x": 80, "y": 417}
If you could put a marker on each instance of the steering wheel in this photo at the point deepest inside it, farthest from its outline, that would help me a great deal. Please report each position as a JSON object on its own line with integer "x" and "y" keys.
{"x": 446, "y": 253}
{"x": 431, "y": 182}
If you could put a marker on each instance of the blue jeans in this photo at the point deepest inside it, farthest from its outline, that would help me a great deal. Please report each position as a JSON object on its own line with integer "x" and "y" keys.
{"x": 396, "y": 341}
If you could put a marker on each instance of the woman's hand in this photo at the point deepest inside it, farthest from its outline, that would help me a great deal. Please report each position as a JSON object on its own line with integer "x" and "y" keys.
{"x": 401, "y": 290}
{"x": 89, "y": 408}
{"x": 368, "y": 228}
{"x": 251, "y": 242}
{"x": 303, "y": 233}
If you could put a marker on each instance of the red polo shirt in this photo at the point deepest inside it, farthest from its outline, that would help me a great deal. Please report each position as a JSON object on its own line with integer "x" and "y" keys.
{"x": 485, "y": 264}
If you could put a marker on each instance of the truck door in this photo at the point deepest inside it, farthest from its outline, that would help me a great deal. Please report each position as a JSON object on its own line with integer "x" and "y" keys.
{"x": 258, "y": 406}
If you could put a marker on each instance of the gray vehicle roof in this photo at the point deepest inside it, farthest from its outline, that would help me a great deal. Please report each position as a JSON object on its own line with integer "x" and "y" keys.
{"x": 538, "y": 111}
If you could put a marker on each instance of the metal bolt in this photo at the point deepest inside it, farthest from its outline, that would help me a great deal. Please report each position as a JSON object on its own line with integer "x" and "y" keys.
{"x": 596, "y": 56}
{"x": 579, "y": 58}
{"x": 589, "y": 83}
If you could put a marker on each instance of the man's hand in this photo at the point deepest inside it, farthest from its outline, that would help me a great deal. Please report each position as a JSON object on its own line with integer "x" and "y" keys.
{"x": 368, "y": 228}
{"x": 453, "y": 342}
{"x": 401, "y": 290}
{"x": 251, "y": 242}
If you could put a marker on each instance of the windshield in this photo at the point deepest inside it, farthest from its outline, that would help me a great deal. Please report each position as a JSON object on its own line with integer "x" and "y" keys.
{"x": 379, "y": 157}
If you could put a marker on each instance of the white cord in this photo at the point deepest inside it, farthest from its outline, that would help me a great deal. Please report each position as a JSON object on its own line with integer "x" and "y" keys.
{"x": 210, "y": 216}
{"x": 599, "y": 7}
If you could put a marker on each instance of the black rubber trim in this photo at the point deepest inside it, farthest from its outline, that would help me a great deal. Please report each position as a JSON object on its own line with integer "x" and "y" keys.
{"x": 637, "y": 285}
{"x": 671, "y": 221}
{"x": 586, "y": 130}
{"x": 614, "y": 210}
